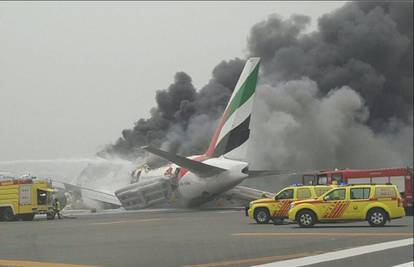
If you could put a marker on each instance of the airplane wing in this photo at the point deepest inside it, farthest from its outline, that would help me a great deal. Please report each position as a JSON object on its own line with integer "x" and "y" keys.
{"x": 260, "y": 173}
{"x": 88, "y": 193}
{"x": 245, "y": 193}
{"x": 199, "y": 168}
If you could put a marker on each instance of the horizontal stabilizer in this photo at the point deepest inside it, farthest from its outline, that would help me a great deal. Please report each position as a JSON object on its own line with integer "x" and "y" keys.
{"x": 196, "y": 167}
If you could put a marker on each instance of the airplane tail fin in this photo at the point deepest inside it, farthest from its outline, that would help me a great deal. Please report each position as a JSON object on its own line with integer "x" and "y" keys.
{"x": 231, "y": 136}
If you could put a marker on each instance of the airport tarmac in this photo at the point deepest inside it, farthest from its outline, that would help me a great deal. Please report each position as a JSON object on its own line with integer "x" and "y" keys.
{"x": 198, "y": 238}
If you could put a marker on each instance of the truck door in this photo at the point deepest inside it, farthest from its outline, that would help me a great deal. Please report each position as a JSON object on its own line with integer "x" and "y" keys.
{"x": 308, "y": 179}
{"x": 283, "y": 200}
{"x": 358, "y": 198}
{"x": 322, "y": 179}
{"x": 25, "y": 195}
{"x": 334, "y": 204}
{"x": 41, "y": 197}
{"x": 408, "y": 192}
{"x": 25, "y": 198}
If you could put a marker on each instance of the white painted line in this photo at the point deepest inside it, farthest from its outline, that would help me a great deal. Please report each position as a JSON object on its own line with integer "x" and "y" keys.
{"x": 129, "y": 221}
{"x": 341, "y": 254}
{"x": 408, "y": 264}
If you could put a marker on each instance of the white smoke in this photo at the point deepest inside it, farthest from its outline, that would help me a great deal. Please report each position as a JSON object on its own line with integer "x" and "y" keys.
{"x": 98, "y": 173}
{"x": 107, "y": 175}
{"x": 295, "y": 126}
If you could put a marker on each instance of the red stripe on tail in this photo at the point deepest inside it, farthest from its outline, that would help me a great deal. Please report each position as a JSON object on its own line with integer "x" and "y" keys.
{"x": 212, "y": 146}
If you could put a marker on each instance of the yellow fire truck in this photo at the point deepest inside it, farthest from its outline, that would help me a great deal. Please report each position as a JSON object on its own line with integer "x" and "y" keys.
{"x": 23, "y": 198}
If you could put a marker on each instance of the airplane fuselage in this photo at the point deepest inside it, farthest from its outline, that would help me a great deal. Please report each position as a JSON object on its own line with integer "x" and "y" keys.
{"x": 199, "y": 179}
{"x": 193, "y": 190}
{"x": 196, "y": 190}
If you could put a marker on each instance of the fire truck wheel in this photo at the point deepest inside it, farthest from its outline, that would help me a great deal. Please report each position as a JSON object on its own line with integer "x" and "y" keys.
{"x": 306, "y": 218}
{"x": 27, "y": 217}
{"x": 50, "y": 216}
{"x": 261, "y": 215}
{"x": 8, "y": 215}
{"x": 377, "y": 217}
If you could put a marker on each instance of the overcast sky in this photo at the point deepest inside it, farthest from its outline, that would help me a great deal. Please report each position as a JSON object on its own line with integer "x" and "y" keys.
{"x": 74, "y": 74}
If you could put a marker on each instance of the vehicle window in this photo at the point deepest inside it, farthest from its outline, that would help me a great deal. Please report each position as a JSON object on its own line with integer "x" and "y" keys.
{"x": 385, "y": 192}
{"x": 337, "y": 177}
{"x": 41, "y": 197}
{"x": 322, "y": 179}
{"x": 360, "y": 193}
{"x": 304, "y": 193}
{"x": 308, "y": 179}
{"x": 285, "y": 194}
{"x": 319, "y": 191}
{"x": 399, "y": 182}
{"x": 338, "y": 194}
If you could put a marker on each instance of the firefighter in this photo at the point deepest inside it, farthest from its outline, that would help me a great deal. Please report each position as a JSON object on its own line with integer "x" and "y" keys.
{"x": 56, "y": 207}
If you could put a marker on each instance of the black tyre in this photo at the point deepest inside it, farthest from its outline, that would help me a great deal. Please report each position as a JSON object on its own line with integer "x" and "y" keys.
{"x": 261, "y": 215}
{"x": 7, "y": 214}
{"x": 27, "y": 217}
{"x": 51, "y": 216}
{"x": 306, "y": 218}
{"x": 377, "y": 217}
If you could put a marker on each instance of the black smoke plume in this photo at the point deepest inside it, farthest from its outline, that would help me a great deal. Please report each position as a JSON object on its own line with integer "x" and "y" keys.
{"x": 184, "y": 118}
{"x": 361, "y": 45}
{"x": 341, "y": 96}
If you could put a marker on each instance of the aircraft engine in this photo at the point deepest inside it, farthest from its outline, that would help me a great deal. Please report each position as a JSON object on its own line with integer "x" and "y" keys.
{"x": 144, "y": 194}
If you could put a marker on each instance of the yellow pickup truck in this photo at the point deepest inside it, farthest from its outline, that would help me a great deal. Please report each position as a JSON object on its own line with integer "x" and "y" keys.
{"x": 373, "y": 203}
{"x": 23, "y": 198}
{"x": 276, "y": 209}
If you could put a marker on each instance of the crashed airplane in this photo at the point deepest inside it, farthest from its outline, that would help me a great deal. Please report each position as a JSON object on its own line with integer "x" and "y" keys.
{"x": 196, "y": 180}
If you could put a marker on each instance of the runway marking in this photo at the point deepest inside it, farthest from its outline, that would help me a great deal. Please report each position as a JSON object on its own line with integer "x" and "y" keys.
{"x": 408, "y": 264}
{"x": 319, "y": 234}
{"x": 341, "y": 254}
{"x": 251, "y": 261}
{"x": 17, "y": 263}
{"x": 129, "y": 221}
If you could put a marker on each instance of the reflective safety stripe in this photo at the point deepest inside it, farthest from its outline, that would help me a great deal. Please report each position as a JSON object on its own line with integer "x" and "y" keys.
{"x": 342, "y": 209}
{"x": 337, "y": 209}
{"x": 282, "y": 209}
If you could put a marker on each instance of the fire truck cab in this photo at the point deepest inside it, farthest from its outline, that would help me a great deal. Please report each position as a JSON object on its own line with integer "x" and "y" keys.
{"x": 23, "y": 198}
{"x": 401, "y": 177}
